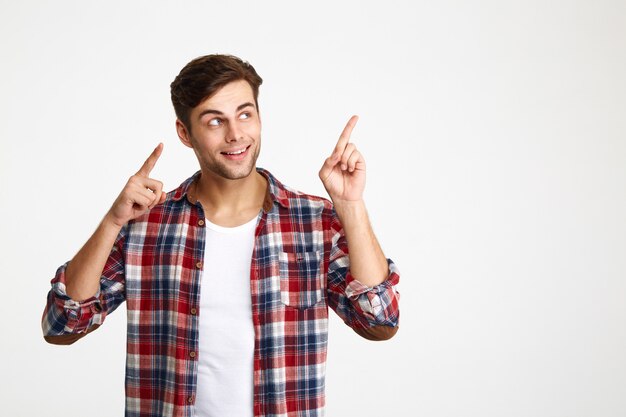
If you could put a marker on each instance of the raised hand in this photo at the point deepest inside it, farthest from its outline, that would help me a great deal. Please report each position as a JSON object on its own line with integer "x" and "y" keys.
{"x": 140, "y": 193}
{"x": 343, "y": 172}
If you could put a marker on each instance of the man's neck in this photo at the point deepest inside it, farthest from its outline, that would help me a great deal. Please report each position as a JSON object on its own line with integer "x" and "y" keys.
{"x": 231, "y": 203}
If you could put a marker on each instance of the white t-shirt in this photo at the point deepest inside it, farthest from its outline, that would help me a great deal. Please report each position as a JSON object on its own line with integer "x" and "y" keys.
{"x": 226, "y": 331}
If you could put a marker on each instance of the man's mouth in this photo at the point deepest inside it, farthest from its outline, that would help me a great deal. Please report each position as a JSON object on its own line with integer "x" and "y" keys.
{"x": 236, "y": 153}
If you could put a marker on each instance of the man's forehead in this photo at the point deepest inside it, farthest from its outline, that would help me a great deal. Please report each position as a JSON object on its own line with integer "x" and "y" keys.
{"x": 228, "y": 97}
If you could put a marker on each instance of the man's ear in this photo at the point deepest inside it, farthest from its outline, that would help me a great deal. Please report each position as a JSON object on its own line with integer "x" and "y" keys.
{"x": 183, "y": 133}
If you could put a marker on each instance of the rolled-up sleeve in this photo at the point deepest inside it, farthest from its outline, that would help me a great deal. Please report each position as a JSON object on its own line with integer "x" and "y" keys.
{"x": 66, "y": 320}
{"x": 372, "y": 312}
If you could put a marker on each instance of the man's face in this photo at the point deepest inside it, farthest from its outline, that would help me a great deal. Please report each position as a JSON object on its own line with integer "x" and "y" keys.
{"x": 225, "y": 132}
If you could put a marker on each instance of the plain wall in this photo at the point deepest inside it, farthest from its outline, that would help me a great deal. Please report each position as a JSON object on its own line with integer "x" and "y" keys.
{"x": 495, "y": 138}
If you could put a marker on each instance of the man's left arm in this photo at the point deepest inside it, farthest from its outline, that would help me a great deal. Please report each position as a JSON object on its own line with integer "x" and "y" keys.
{"x": 343, "y": 176}
{"x": 367, "y": 261}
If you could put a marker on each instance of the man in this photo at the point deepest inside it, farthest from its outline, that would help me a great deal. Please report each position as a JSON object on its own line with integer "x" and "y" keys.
{"x": 228, "y": 278}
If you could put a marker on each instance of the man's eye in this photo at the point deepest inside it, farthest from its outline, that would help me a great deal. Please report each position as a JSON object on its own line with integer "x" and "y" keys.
{"x": 215, "y": 122}
{"x": 245, "y": 115}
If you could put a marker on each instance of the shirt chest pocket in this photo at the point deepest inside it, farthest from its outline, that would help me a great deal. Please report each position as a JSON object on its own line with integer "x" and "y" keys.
{"x": 301, "y": 281}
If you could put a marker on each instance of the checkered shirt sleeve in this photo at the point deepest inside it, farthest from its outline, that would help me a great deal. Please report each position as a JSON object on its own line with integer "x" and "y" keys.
{"x": 358, "y": 305}
{"x": 64, "y": 316}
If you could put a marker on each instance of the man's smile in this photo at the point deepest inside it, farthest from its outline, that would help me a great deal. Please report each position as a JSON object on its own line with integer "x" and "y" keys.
{"x": 236, "y": 154}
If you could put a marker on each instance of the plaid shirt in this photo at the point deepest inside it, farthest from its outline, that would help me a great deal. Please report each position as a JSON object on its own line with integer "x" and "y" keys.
{"x": 300, "y": 267}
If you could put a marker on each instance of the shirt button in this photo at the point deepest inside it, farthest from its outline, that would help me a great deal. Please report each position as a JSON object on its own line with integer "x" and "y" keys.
{"x": 193, "y": 311}
{"x": 199, "y": 265}
{"x": 190, "y": 399}
{"x": 192, "y": 354}
{"x": 200, "y": 222}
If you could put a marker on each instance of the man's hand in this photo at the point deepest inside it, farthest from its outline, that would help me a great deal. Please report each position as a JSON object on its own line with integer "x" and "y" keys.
{"x": 343, "y": 172}
{"x": 140, "y": 193}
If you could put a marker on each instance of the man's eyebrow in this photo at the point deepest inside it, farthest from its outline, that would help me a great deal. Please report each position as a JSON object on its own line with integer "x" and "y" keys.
{"x": 219, "y": 113}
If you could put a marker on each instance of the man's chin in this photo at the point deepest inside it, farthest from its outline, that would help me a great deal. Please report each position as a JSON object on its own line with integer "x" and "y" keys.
{"x": 233, "y": 174}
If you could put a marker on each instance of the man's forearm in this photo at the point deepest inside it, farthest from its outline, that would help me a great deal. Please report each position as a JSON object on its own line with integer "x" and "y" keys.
{"x": 141, "y": 193}
{"x": 367, "y": 260}
{"x": 82, "y": 276}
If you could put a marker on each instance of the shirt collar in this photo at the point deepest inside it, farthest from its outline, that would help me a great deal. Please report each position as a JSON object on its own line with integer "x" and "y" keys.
{"x": 276, "y": 191}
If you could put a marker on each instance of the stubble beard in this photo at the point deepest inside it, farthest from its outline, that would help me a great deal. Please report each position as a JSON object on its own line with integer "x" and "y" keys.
{"x": 233, "y": 171}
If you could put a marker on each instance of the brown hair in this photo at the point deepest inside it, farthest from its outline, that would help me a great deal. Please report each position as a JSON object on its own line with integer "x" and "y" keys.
{"x": 202, "y": 77}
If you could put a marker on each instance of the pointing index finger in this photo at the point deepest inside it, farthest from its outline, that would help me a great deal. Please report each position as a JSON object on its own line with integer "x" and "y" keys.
{"x": 147, "y": 166}
{"x": 344, "y": 138}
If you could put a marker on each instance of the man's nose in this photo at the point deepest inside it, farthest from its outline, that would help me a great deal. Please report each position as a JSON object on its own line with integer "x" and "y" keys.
{"x": 234, "y": 133}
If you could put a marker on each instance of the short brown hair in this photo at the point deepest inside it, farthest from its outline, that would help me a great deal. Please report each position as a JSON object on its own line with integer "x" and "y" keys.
{"x": 202, "y": 77}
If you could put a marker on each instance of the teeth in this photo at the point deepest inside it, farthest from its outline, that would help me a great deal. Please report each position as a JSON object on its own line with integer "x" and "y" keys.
{"x": 236, "y": 153}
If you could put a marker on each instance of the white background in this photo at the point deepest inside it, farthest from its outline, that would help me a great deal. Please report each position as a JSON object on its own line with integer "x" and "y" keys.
{"x": 495, "y": 137}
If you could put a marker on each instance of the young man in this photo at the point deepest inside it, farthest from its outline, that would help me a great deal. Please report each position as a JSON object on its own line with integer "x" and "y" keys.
{"x": 228, "y": 278}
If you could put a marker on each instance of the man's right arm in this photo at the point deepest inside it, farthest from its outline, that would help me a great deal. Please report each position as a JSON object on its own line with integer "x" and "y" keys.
{"x": 82, "y": 275}
{"x": 140, "y": 194}
{"x": 79, "y": 299}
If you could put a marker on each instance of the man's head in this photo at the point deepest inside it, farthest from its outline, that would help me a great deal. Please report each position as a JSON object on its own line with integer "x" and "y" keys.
{"x": 215, "y": 98}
